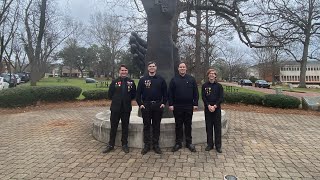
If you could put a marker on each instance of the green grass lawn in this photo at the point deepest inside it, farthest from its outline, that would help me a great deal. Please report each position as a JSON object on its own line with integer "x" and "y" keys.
{"x": 78, "y": 82}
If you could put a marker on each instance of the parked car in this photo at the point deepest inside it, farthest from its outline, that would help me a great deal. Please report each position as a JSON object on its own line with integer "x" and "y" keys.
{"x": 25, "y": 77}
{"x": 11, "y": 79}
{"x": 261, "y": 84}
{"x": 91, "y": 80}
{"x": 18, "y": 78}
{"x": 245, "y": 82}
{"x": 3, "y": 84}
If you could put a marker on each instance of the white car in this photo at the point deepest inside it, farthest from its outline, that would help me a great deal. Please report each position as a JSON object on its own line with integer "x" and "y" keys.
{"x": 18, "y": 78}
{"x": 3, "y": 84}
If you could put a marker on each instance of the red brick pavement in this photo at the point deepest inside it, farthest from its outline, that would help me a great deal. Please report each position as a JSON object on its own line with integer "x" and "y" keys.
{"x": 58, "y": 144}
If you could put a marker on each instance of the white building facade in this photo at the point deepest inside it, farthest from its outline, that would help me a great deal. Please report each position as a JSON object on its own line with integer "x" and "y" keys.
{"x": 290, "y": 72}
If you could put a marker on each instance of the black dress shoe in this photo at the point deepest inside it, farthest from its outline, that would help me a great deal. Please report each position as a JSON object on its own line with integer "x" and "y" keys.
{"x": 145, "y": 150}
{"x": 157, "y": 150}
{"x": 176, "y": 147}
{"x": 219, "y": 150}
{"x": 191, "y": 147}
{"x": 108, "y": 149}
{"x": 208, "y": 148}
{"x": 125, "y": 148}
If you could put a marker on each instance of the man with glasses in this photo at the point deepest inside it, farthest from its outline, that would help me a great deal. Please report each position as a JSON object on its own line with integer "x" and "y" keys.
{"x": 151, "y": 98}
{"x": 212, "y": 96}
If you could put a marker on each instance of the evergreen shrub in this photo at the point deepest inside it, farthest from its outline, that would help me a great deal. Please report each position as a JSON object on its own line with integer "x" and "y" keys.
{"x": 95, "y": 94}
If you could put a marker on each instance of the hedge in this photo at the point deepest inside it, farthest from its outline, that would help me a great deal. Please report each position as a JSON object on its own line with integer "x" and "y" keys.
{"x": 95, "y": 94}
{"x": 242, "y": 97}
{"x": 281, "y": 101}
{"x": 269, "y": 100}
{"x": 28, "y": 95}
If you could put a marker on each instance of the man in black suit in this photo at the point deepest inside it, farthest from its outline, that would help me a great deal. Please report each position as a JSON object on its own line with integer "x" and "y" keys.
{"x": 183, "y": 99}
{"x": 121, "y": 91}
{"x": 212, "y": 96}
{"x": 151, "y": 98}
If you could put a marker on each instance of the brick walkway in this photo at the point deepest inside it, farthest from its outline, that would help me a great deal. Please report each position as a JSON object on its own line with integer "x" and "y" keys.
{"x": 57, "y": 144}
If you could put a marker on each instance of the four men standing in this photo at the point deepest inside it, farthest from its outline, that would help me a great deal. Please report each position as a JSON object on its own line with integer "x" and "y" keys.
{"x": 183, "y": 99}
{"x": 151, "y": 96}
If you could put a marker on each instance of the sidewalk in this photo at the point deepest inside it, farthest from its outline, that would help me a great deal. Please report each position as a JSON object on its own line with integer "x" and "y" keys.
{"x": 58, "y": 144}
{"x": 272, "y": 91}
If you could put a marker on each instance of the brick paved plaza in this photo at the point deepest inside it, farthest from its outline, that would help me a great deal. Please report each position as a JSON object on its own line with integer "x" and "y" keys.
{"x": 57, "y": 144}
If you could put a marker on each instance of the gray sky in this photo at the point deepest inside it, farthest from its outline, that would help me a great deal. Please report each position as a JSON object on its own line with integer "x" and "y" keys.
{"x": 83, "y": 9}
{"x": 80, "y": 9}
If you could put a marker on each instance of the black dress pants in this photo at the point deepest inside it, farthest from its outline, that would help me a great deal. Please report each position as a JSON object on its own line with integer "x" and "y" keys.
{"x": 183, "y": 117}
{"x": 115, "y": 118}
{"x": 151, "y": 115}
{"x": 213, "y": 122}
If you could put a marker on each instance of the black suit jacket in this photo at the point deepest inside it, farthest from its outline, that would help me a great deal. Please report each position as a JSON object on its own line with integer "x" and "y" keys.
{"x": 121, "y": 96}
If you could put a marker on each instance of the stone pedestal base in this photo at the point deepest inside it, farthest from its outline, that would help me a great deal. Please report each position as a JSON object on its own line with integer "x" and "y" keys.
{"x": 101, "y": 129}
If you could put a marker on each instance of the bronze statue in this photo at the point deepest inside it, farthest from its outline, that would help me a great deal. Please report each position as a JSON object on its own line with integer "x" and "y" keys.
{"x": 160, "y": 45}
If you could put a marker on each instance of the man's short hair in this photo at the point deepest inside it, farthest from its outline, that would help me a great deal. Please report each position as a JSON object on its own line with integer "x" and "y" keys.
{"x": 211, "y": 70}
{"x": 182, "y": 63}
{"x": 122, "y": 65}
{"x": 152, "y": 62}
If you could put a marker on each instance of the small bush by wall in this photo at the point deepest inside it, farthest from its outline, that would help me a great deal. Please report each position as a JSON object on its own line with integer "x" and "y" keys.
{"x": 281, "y": 101}
{"x": 95, "y": 94}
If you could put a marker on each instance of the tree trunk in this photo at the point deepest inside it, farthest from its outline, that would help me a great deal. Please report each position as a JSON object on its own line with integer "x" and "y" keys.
{"x": 198, "y": 74}
{"x": 206, "y": 60}
{"x": 34, "y": 55}
{"x": 302, "y": 83}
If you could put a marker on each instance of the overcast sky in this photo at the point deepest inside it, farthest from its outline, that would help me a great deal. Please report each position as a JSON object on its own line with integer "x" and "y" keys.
{"x": 80, "y": 9}
{"x": 83, "y": 9}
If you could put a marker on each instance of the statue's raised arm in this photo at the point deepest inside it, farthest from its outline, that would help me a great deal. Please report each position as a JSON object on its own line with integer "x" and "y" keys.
{"x": 160, "y": 14}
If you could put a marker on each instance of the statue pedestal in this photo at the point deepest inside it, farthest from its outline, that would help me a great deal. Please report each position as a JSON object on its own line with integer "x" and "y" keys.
{"x": 101, "y": 129}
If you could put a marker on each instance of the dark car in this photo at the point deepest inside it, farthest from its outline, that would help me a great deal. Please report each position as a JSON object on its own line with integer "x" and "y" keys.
{"x": 245, "y": 82}
{"x": 25, "y": 77}
{"x": 261, "y": 84}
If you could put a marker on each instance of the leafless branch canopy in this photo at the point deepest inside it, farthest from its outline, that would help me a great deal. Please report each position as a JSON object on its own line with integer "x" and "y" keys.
{"x": 231, "y": 12}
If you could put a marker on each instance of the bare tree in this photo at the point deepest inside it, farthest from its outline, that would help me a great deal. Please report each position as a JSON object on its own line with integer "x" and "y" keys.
{"x": 9, "y": 14}
{"x": 108, "y": 31}
{"x": 233, "y": 59}
{"x": 268, "y": 62}
{"x": 296, "y": 24}
{"x": 42, "y": 36}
